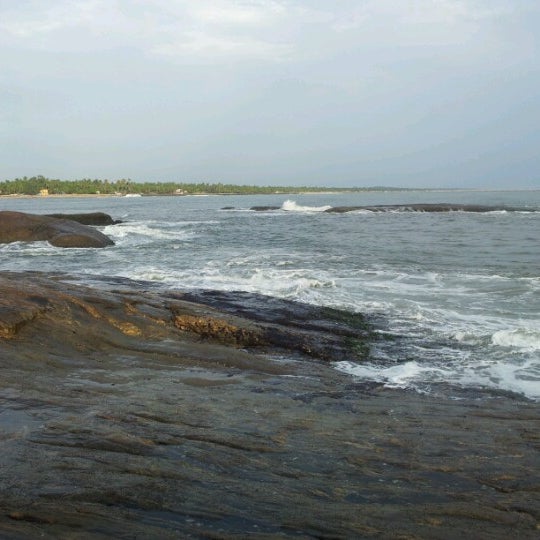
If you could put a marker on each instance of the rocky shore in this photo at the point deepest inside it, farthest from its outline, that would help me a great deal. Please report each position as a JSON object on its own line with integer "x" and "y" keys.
{"x": 128, "y": 412}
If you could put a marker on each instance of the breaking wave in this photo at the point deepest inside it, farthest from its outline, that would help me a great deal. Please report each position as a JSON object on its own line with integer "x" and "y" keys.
{"x": 521, "y": 338}
{"x": 291, "y": 206}
{"x": 522, "y": 379}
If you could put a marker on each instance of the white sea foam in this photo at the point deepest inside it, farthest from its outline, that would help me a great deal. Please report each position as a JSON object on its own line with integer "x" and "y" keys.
{"x": 520, "y": 338}
{"x": 295, "y": 284}
{"x": 28, "y": 248}
{"x": 522, "y": 379}
{"x": 291, "y": 206}
{"x": 137, "y": 232}
{"x": 395, "y": 376}
{"x": 469, "y": 338}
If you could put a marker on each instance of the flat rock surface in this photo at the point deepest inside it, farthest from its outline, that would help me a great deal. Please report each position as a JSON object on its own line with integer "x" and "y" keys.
{"x": 120, "y": 420}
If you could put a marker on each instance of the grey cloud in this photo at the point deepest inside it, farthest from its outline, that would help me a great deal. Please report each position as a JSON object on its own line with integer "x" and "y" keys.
{"x": 425, "y": 92}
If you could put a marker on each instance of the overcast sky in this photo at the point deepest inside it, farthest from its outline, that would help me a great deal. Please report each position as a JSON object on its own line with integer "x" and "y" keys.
{"x": 413, "y": 93}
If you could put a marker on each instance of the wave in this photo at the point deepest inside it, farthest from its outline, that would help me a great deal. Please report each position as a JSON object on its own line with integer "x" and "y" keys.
{"x": 291, "y": 206}
{"x": 520, "y": 338}
{"x": 28, "y": 248}
{"x": 521, "y": 379}
{"x": 137, "y": 232}
{"x": 298, "y": 284}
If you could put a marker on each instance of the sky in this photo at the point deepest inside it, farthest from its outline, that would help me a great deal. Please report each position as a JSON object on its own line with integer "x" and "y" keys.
{"x": 403, "y": 93}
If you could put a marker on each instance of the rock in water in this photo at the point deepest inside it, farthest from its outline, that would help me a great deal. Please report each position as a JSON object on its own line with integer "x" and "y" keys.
{"x": 210, "y": 319}
{"x": 429, "y": 207}
{"x": 21, "y": 227}
{"x": 91, "y": 218}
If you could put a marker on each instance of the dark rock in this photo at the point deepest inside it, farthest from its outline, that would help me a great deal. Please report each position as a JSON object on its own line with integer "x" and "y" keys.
{"x": 264, "y": 208}
{"x": 421, "y": 207}
{"x": 117, "y": 423}
{"x": 344, "y": 209}
{"x": 21, "y": 227}
{"x": 92, "y": 218}
{"x": 247, "y": 320}
{"x": 285, "y": 325}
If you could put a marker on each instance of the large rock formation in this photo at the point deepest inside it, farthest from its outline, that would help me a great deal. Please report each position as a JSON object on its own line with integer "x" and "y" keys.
{"x": 130, "y": 412}
{"x": 21, "y": 227}
{"x": 237, "y": 320}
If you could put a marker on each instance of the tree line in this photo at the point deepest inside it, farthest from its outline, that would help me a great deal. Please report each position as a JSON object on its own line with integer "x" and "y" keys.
{"x": 87, "y": 186}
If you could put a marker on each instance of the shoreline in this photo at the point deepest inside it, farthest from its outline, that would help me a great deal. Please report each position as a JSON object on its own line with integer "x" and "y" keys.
{"x": 286, "y": 193}
{"x": 115, "y": 420}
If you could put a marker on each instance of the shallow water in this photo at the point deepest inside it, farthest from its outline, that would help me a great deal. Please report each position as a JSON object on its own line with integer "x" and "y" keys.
{"x": 457, "y": 295}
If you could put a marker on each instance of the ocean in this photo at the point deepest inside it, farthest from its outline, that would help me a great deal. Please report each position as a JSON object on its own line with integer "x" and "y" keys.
{"x": 454, "y": 297}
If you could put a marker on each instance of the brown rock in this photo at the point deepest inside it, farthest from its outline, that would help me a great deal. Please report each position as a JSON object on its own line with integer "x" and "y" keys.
{"x": 21, "y": 227}
{"x": 91, "y": 218}
{"x": 265, "y": 324}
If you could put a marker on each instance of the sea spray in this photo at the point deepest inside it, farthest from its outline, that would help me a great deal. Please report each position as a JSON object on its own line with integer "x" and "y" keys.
{"x": 291, "y": 206}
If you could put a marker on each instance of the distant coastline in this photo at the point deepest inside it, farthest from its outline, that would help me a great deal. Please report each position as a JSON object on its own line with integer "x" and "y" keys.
{"x": 42, "y": 187}
{"x": 292, "y": 192}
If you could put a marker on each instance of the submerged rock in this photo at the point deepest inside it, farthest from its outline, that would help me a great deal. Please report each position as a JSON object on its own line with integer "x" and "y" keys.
{"x": 21, "y": 227}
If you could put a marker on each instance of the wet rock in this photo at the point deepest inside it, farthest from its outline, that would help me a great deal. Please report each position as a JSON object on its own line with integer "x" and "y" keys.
{"x": 254, "y": 320}
{"x": 126, "y": 411}
{"x": 417, "y": 207}
{"x": 21, "y": 227}
{"x": 91, "y": 218}
{"x": 279, "y": 326}
{"x": 437, "y": 207}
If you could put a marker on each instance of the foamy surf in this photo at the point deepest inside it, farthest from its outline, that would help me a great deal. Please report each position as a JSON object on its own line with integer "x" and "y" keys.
{"x": 519, "y": 338}
{"x": 144, "y": 232}
{"x": 292, "y": 206}
{"x": 520, "y": 379}
{"x": 298, "y": 285}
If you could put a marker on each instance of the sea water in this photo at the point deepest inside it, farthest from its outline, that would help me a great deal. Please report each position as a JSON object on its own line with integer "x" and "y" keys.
{"x": 454, "y": 297}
